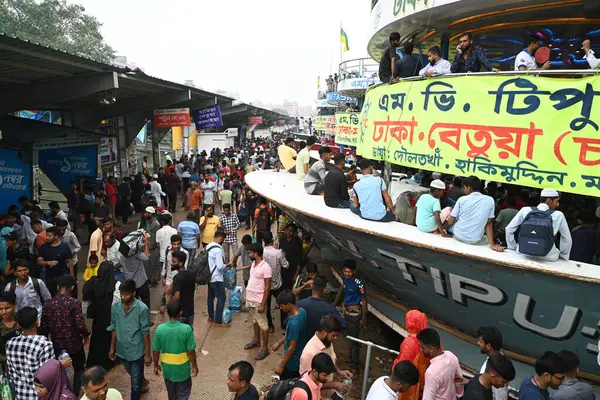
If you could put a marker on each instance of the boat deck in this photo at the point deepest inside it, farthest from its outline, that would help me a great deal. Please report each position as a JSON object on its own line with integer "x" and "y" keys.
{"x": 285, "y": 189}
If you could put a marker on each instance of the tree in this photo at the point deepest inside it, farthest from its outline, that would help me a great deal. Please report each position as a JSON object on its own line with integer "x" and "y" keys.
{"x": 56, "y": 24}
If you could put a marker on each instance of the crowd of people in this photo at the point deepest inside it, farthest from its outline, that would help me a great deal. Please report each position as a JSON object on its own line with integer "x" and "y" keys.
{"x": 43, "y": 327}
{"x": 473, "y": 212}
{"x": 395, "y": 65}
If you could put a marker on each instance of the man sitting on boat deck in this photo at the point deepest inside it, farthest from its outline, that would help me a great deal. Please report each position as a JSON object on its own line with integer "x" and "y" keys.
{"x": 336, "y": 184}
{"x": 471, "y": 219}
{"x": 303, "y": 158}
{"x": 536, "y": 239}
{"x": 287, "y": 155}
{"x": 428, "y": 215}
{"x": 314, "y": 181}
{"x": 437, "y": 65}
{"x": 370, "y": 194}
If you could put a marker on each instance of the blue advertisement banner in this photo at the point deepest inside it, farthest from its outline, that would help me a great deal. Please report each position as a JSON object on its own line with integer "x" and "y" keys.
{"x": 15, "y": 179}
{"x": 208, "y": 117}
{"x": 335, "y": 97}
{"x": 69, "y": 164}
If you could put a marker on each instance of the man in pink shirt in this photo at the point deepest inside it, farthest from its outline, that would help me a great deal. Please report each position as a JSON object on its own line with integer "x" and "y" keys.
{"x": 321, "y": 367}
{"x": 443, "y": 378}
{"x": 258, "y": 292}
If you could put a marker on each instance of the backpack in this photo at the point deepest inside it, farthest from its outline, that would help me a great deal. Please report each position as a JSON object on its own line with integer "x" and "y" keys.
{"x": 148, "y": 200}
{"x": 36, "y": 285}
{"x": 201, "y": 268}
{"x": 536, "y": 235}
{"x": 282, "y": 390}
{"x": 263, "y": 221}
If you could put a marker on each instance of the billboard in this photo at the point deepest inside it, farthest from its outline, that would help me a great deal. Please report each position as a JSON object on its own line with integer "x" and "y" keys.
{"x": 15, "y": 178}
{"x": 64, "y": 165}
{"x": 170, "y": 117}
{"x": 209, "y": 117}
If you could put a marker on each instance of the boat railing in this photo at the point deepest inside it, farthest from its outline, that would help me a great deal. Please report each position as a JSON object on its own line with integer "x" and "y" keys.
{"x": 358, "y": 68}
{"x": 562, "y": 73}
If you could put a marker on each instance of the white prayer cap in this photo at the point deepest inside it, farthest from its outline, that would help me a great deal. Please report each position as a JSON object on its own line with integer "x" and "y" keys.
{"x": 549, "y": 193}
{"x": 155, "y": 176}
{"x": 437, "y": 184}
{"x": 150, "y": 210}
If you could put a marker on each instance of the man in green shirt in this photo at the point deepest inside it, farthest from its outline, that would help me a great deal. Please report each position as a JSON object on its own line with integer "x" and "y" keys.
{"x": 130, "y": 340}
{"x": 175, "y": 345}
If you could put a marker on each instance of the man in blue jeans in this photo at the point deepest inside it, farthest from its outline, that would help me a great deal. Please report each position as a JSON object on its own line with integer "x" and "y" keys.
{"x": 130, "y": 340}
{"x": 372, "y": 196}
{"x": 216, "y": 287}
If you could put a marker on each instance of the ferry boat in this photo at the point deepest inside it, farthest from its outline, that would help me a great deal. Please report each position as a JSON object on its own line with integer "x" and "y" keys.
{"x": 533, "y": 128}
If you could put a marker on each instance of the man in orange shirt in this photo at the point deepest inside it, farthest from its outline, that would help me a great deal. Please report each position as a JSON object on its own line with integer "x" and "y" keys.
{"x": 321, "y": 367}
{"x": 196, "y": 199}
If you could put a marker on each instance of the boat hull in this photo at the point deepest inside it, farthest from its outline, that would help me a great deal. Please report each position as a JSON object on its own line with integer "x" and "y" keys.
{"x": 535, "y": 311}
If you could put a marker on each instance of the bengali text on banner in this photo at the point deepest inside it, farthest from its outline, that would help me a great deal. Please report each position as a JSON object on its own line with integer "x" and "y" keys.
{"x": 531, "y": 131}
{"x": 325, "y": 124}
{"x": 346, "y": 128}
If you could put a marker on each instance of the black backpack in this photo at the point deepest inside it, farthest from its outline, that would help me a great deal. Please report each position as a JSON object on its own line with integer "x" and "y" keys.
{"x": 263, "y": 222}
{"x": 200, "y": 266}
{"x": 282, "y": 390}
{"x": 12, "y": 287}
{"x": 536, "y": 234}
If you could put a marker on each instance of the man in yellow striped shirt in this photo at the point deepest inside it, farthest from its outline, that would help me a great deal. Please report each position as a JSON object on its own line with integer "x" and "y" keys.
{"x": 175, "y": 346}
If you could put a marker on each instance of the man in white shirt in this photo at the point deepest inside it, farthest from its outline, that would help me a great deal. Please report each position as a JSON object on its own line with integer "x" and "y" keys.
{"x": 404, "y": 375}
{"x": 156, "y": 190}
{"x": 437, "y": 65}
{"x": 216, "y": 287}
{"x": 525, "y": 60}
{"x": 549, "y": 200}
{"x": 164, "y": 234}
{"x": 589, "y": 55}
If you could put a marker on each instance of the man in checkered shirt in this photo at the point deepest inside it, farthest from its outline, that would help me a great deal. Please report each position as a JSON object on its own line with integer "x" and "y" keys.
{"x": 25, "y": 354}
{"x": 230, "y": 224}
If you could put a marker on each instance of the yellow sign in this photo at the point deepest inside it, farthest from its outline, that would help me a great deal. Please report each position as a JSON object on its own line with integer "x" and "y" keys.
{"x": 531, "y": 131}
{"x": 346, "y": 128}
{"x": 325, "y": 124}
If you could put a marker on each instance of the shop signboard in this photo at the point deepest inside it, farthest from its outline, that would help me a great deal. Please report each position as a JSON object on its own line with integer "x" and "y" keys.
{"x": 64, "y": 165}
{"x": 170, "y": 117}
{"x": 15, "y": 178}
{"x": 325, "y": 124}
{"x": 255, "y": 120}
{"x": 209, "y": 117}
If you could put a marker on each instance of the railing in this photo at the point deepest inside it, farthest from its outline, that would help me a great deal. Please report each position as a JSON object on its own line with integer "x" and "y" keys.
{"x": 358, "y": 68}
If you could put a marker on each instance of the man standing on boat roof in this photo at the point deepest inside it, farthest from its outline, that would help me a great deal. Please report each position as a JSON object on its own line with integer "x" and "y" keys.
{"x": 538, "y": 230}
{"x": 472, "y": 217}
{"x": 589, "y": 55}
{"x": 387, "y": 65}
{"x": 470, "y": 58}
{"x": 525, "y": 60}
{"x": 354, "y": 308}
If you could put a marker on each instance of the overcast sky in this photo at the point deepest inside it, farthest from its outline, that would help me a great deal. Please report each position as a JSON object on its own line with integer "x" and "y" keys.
{"x": 267, "y": 50}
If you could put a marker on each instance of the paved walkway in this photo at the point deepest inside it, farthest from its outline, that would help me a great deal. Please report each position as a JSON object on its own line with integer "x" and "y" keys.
{"x": 217, "y": 348}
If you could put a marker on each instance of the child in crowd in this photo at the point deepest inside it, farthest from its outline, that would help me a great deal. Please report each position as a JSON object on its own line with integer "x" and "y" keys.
{"x": 91, "y": 269}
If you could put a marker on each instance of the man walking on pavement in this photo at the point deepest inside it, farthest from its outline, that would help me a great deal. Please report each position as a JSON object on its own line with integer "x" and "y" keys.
{"x": 258, "y": 292}
{"x": 209, "y": 224}
{"x": 133, "y": 269}
{"x": 263, "y": 218}
{"x": 190, "y": 233}
{"x": 276, "y": 260}
{"x": 55, "y": 258}
{"x": 63, "y": 322}
{"x": 175, "y": 346}
{"x": 152, "y": 226}
{"x": 230, "y": 224}
{"x": 130, "y": 340}
{"x": 216, "y": 287}
{"x": 68, "y": 237}
{"x": 184, "y": 285}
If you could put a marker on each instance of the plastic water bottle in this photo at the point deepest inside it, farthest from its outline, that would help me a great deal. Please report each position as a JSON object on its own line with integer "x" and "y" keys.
{"x": 235, "y": 299}
{"x": 226, "y": 315}
{"x": 65, "y": 356}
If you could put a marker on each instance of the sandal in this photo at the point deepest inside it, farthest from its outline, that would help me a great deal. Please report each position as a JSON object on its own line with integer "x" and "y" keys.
{"x": 261, "y": 355}
{"x": 251, "y": 345}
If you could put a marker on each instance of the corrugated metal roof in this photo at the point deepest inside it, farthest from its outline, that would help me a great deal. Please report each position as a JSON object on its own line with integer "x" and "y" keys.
{"x": 23, "y": 62}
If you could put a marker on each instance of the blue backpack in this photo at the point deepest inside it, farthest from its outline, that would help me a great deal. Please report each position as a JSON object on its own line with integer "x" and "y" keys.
{"x": 536, "y": 235}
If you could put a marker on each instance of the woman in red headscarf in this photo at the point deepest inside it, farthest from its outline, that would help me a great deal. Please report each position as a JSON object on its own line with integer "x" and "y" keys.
{"x": 410, "y": 350}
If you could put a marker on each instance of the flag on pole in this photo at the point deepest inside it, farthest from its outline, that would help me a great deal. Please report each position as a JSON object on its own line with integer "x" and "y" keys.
{"x": 344, "y": 40}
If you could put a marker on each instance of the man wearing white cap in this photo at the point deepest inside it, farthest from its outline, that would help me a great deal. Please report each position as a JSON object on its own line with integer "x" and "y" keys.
{"x": 532, "y": 239}
{"x": 156, "y": 190}
{"x": 428, "y": 210}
